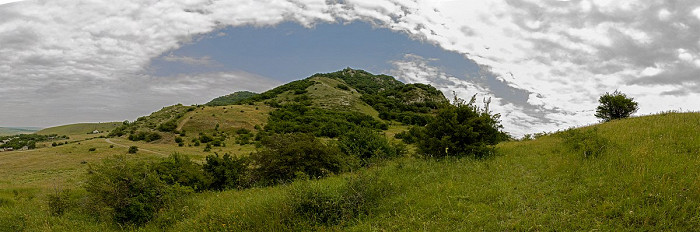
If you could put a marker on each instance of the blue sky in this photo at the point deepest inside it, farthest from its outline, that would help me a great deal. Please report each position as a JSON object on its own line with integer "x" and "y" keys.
{"x": 289, "y": 51}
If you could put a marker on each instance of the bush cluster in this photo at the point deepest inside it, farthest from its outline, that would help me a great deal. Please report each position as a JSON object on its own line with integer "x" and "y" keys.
{"x": 297, "y": 118}
{"x": 145, "y": 136}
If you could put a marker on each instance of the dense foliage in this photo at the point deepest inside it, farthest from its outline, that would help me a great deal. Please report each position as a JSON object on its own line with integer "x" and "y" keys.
{"x": 364, "y": 145}
{"x": 297, "y": 118}
{"x": 409, "y": 104}
{"x": 297, "y": 87}
{"x": 615, "y": 106}
{"x": 231, "y": 99}
{"x": 289, "y": 156}
{"x": 462, "y": 129}
{"x": 362, "y": 81}
{"x": 127, "y": 191}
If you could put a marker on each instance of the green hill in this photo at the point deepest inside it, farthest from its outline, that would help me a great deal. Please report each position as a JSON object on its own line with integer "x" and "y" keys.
{"x": 17, "y": 130}
{"x": 231, "y": 98}
{"x": 79, "y": 128}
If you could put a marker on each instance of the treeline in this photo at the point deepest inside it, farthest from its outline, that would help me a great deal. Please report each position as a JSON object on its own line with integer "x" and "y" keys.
{"x": 28, "y": 140}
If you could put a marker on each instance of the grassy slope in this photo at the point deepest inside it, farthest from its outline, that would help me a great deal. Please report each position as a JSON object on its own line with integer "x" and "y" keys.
{"x": 79, "y": 128}
{"x": 648, "y": 179}
{"x": 17, "y": 130}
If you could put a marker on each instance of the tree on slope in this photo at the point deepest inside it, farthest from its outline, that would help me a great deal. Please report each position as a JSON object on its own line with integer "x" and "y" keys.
{"x": 461, "y": 129}
{"x": 615, "y": 106}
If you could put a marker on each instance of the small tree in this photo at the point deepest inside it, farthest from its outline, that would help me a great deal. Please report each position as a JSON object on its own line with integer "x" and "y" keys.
{"x": 615, "y": 106}
{"x": 461, "y": 129}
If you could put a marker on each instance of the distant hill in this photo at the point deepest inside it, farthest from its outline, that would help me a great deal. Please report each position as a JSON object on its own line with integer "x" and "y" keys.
{"x": 231, "y": 98}
{"x": 17, "y": 130}
{"x": 79, "y": 128}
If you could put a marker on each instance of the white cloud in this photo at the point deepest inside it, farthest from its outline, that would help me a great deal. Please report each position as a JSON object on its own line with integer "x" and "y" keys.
{"x": 564, "y": 52}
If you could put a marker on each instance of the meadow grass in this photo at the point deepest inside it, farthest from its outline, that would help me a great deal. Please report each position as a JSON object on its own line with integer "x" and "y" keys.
{"x": 79, "y": 128}
{"x": 647, "y": 177}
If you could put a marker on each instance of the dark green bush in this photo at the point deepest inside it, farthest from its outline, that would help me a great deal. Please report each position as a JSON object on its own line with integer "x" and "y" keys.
{"x": 366, "y": 145}
{"x": 168, "y": 126}
{"x": 227, "y": 172}
{"x": 462, "y": 129}
{"x": 133, "y": 149}
{"x": 179, "y": 169}
{"x": 296, "y": 118}
{"x": 288, "y": 156}
{"x": 127, "y": 191}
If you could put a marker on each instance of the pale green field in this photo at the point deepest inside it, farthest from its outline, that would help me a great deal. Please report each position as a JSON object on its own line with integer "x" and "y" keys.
{"x": 79, "y": 128}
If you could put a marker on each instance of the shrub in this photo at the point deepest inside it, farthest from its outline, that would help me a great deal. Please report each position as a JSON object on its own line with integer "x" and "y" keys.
{"x": 179, "y": 169}
{"x": 322, "y": 204}
{"x": 168, "y": 126}
{"x": 128, "y": 192}
{"x": 227, "y": 172}
{"x": 586, "y": 142}
{"x": 178, "y": 140}
{"x": 615, "y": 106}
{"x": 92, "y": 149}
{"x": 59, "y": 202}
{"x": 133, "y": 149}
{"x": 462, "y": 129}
{"x": 366, "y": 145}
{"x": 287, "y": 156}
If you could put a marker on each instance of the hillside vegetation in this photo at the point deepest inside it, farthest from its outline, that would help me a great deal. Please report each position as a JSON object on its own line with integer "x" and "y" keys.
{"x": 643, "y": 176}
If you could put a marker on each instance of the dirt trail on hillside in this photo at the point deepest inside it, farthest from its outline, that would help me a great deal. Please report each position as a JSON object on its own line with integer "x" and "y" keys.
{"x": 140, "y": 149}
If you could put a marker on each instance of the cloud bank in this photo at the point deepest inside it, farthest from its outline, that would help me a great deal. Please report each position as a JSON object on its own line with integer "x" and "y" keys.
{"x": 563, "y": 53}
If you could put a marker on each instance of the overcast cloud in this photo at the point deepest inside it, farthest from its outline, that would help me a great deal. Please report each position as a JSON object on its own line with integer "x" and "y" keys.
{"x": 66, "y": 60}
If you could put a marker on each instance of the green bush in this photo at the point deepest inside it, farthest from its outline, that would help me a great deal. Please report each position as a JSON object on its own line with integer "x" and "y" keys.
{"x": 323, "y": 204}
{"x": 127, "y": 191}
{"x": 133, "y": 149}
{"x": 227, "y": 172}
{"x": 366, "y": 145}
{"x": 462, "y": 129}
{"x": 179, "y": 169}
{"x": 59, "y": 202}
{"x": 286, "y": 157}
{"x": 168, "y": 126}
{"x": 586, "y": 142}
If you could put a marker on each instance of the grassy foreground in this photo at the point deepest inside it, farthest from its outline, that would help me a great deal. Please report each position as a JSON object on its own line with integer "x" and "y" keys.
{"x": 644, "y": 176}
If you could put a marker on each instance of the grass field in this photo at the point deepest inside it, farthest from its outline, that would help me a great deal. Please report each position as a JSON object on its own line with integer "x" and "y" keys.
{"x": 645, "y": 177}
{"x": 17, "y": 130}
{"x": 79, "y": 128}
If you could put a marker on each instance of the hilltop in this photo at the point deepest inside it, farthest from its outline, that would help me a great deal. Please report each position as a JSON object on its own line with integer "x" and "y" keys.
{"x": 17, "y": 130}
{"x": 79, "y": 128}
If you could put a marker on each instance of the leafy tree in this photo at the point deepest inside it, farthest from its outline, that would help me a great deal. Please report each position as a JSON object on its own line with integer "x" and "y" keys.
{"x": 289, "y": 156}
{"x": 615, "y": 106}
{"x": 227, "y": 172}
{"x": 461, "y": 129}
{"x": 179, "y": 169}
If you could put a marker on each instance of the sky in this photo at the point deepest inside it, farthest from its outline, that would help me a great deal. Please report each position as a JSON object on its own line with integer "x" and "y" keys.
{"x": 543, "y": 63}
